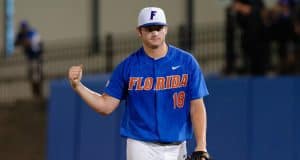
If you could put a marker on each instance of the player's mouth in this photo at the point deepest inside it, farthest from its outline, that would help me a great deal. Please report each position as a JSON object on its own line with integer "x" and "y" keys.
{"x": 155, "y": 39}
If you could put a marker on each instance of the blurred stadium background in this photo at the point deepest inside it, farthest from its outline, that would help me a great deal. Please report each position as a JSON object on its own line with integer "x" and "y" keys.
{"x": 99, "y": 34}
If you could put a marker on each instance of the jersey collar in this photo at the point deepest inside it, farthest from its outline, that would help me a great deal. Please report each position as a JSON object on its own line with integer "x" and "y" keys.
{"x": 149, "y": 59}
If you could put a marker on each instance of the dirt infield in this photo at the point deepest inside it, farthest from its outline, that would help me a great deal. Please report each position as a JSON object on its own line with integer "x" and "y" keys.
{"x": 22, "y": 131}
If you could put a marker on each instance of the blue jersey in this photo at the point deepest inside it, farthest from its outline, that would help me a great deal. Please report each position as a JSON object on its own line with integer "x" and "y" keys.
{"x": 34, "y": 50}
{"x": 158, "y": 94}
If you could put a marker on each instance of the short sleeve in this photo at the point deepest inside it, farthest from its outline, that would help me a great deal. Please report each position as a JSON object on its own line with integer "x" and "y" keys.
{"x": 197, "y": 85}
{"x": 116, "y": 86}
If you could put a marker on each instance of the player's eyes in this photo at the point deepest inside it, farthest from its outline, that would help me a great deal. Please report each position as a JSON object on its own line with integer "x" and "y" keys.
{"x": 154, "y": 28}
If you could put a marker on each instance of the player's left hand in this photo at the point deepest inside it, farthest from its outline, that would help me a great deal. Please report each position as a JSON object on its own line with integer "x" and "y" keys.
{"x": 199, "y": 155}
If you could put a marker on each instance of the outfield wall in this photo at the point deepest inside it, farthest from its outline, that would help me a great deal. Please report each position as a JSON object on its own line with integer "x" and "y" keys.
{"x": 248, "y": 119}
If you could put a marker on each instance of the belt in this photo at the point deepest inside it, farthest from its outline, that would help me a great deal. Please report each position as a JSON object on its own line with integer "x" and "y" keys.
{"x": 167, "y": 143}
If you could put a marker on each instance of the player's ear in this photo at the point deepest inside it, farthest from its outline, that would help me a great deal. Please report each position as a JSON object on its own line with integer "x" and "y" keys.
{"x": 139, "y": 32}
{"x": 166, "y": 30}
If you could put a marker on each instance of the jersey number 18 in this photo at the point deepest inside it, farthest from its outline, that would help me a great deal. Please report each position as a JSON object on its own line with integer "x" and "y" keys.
{"x": 178, "y": 99}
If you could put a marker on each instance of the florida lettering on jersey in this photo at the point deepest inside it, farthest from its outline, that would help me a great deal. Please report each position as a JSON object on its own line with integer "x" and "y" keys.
{"x": 160, "y": 83}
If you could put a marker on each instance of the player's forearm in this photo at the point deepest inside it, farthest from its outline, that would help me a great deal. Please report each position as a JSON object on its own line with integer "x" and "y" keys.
{"x": 198, "y": 117}
{"x": 93, "y": 99}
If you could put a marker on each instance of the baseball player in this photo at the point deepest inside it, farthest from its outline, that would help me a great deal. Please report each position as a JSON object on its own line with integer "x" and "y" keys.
{"x": 30, "y": 40}
{"x": 163, "y": 87}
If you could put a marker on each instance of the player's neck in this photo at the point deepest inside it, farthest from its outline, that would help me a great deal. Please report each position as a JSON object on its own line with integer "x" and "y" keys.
{"x": 156, "y": 53}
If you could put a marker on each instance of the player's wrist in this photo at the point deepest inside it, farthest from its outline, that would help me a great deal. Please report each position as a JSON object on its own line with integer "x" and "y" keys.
{"x": 199, "y": 148}
{"x": 77, "y": 86}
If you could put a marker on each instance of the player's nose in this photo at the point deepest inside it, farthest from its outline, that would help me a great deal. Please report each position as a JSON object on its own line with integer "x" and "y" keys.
{"x": 154, "y": 32}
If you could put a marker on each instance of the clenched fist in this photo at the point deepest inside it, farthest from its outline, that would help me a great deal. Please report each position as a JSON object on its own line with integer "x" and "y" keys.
{"x": 75, "y": 74}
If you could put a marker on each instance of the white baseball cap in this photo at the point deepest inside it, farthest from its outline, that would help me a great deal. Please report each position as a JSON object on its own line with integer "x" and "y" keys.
{"x": 151, "y": 16}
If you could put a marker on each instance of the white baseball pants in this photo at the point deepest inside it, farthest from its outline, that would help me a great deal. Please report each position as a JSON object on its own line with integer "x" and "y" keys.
{"x": 140, "y": 150}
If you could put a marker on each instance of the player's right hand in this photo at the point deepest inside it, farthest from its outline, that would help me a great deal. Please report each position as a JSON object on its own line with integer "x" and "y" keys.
{"x": 75, "y": 74}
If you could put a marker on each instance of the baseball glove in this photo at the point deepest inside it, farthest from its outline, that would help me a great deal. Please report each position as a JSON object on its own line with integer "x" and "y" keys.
{"x": 199, "y": 155}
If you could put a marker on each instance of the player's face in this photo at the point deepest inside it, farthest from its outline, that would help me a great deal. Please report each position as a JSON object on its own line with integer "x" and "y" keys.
{"x": 153, "y": 36}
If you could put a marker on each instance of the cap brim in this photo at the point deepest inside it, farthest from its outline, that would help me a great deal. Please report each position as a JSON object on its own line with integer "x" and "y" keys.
{"x": 153, "y": 24}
